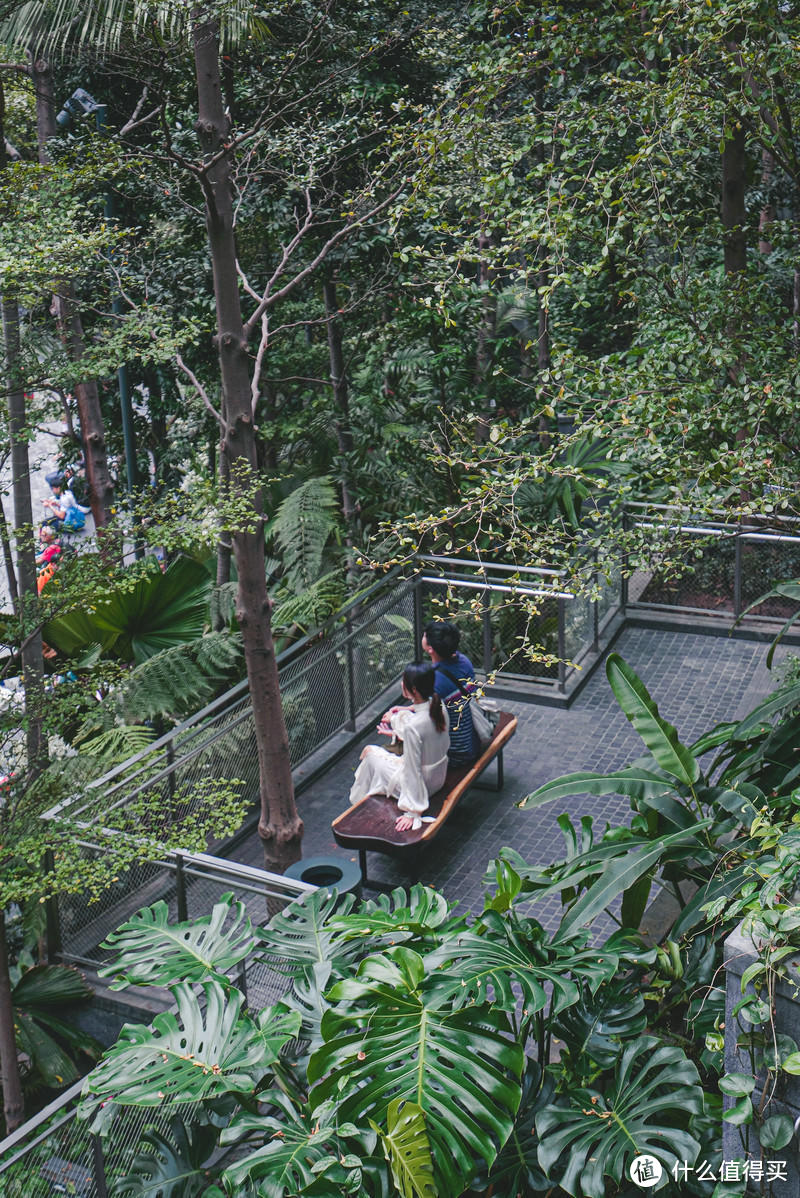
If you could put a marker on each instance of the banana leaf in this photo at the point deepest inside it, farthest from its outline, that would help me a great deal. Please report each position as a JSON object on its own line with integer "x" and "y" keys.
{"x": 790, "y": 589}
{"x": 659, "y": 735}
{"x": 634, "y": 781}
{"x": 617, "y": 877}
{"x": 783, "y": 699}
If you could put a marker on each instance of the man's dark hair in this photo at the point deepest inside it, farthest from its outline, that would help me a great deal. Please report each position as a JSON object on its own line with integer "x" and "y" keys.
{"x": 443, "y": 637}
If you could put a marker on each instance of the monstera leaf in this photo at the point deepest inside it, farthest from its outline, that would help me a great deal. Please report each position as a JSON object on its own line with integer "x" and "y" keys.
{"x": 644, "y": 1109}
{"x": 392, "y": 1038}
{"x": 659, "y": 735}
{"x": 293, "y": 1147}
{"x": 307, "y": 997}
{"x": 595, "y": 1027}
{"x": 421, "y": 913}
{"x": 506, "y": 960}
{"x": 204, "y": 1051}
{"x": 516, "y": 1170}
{"x": 170, "y": 1165}
{"x": 303, "y": 935}
{"x": 408, "y": 1150}
{"x": 152, "y": 952}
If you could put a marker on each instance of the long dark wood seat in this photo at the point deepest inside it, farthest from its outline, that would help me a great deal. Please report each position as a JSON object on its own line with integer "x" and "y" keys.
{"x": 369, "y": 825}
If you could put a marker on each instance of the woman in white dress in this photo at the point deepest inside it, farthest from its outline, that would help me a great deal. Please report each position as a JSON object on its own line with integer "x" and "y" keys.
{"x": 420, "y": 772}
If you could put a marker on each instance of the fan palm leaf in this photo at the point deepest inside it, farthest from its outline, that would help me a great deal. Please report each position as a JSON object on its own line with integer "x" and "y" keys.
{"x": 51, "y": 25}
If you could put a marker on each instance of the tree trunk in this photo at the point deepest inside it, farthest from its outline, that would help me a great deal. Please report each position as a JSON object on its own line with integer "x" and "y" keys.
{"x": 768, "y": 212}
{"x": 734, "y": 211}
{"x": 8, "y": 559}
{"x": 98, "y": 476}
{"x": 341, "y": 423}
{"x": 32, "y": 666}
{"x": 224, "y": 543}
{"x": 70, "y": 327}
{"x": 13, "y": 1108}
{"x": 279, "y": 827}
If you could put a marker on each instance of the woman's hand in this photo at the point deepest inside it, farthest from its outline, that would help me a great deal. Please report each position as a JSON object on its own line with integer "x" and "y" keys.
{"x": 404, "y": 823}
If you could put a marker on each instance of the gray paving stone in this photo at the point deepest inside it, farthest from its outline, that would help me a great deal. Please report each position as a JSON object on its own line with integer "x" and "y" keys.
{"x": 697, "y": 681}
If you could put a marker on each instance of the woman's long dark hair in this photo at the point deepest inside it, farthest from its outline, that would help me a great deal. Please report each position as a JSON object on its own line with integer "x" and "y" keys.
{"x": 421, "y": 677}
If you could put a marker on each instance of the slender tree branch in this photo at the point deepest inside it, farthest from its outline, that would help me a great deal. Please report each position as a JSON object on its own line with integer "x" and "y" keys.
{"x": 132, "y": 124}
{"x": 268, "y": 300}
{"x": 262, "y": 349}
{"x": 201, "y": 391}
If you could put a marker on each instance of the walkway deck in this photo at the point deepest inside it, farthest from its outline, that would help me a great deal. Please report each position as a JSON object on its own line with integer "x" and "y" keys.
{"x": 697, "y": 681}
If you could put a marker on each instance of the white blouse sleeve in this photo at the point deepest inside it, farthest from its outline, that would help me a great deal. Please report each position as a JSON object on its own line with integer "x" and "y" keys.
{"x": 413, "y": 796}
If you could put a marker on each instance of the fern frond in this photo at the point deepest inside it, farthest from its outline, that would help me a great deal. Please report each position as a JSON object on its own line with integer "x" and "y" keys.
{"x": 117, "y": 743}
{"x": 180, "y": 679}
{"x": 313, "y": 606}
{"x": 301, "y": 526}
{"x": 222, "y": 604}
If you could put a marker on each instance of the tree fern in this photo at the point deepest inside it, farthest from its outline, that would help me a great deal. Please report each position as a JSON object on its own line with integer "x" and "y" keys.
{"x": 301, "y": 527}
{"x": 312, "y": 606}
{"x": 222, "y": 605}
{"x": 180, "y": 679}
{"x": 116, "y": 743}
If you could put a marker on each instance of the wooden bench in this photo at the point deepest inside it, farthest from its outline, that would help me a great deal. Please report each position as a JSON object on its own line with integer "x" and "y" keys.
{"x": 369, "y": 825}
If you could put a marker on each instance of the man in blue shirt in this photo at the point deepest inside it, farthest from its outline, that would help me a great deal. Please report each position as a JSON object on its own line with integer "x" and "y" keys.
{"x": 455, "y": 681}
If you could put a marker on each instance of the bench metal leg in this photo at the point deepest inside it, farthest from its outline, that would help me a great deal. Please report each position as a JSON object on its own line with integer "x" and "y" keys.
{"x": 366, "y": 881}
{"x": 497, "y": 785}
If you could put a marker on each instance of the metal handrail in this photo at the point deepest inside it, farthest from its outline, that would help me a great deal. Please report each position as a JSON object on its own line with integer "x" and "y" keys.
{"x": 675, "y": 507}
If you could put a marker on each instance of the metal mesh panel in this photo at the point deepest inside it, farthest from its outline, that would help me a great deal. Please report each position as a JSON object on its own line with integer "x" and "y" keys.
{"x": 382, "y": 646}
{"x": 763, "y": 564}
{"x": 84, "y": 925}
{"x": 67, "y": 1162}
{"x": 202, "y": 882}
{"x": 705, "y": 579}
{"x": 578, "y": 626}
{"x": 499, "y": 631}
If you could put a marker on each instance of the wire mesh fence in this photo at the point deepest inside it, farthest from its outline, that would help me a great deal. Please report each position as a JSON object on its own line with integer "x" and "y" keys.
{"x": 715, "y": 567}
{"x": 56, "y": 1153}
{"x": 189, "y": 883}
{"x": 61, "y": 1156}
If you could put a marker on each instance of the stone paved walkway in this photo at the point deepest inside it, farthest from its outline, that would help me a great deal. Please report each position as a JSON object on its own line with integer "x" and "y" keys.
{"x": 697, "y": 681}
